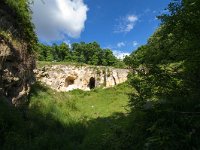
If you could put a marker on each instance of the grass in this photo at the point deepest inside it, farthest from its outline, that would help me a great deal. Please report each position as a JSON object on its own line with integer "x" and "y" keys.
{"x": 79, "y": 104}
{"x": 41, "y": 64}
{"x": 73, "y": 120}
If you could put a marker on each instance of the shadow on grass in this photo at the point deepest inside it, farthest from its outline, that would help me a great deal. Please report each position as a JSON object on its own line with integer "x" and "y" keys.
{"x": 43, "y": 131}
{"x": 36, "y": 88}
{"x": 119, "y": 131}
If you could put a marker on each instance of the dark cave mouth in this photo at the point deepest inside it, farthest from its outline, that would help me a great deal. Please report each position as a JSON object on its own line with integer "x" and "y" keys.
{"x": 92, "y": 83}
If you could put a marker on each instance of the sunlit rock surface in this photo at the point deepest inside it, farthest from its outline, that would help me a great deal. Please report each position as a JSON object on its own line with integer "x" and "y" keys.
{"x": 67, "y": 78}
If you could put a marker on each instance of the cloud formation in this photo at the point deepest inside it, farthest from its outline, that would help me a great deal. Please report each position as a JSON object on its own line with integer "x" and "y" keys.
{"x": 121, "y": 44}
{"x": 54, "y": 19}
{"x": 120, "y": 54}
{"x": 126, "y": 24}
{"x": 135, "y": 43}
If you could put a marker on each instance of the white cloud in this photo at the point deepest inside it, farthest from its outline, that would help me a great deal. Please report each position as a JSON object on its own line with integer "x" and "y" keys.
{"x": 121, "y": 44}
{"x": 132, "y": 18}
{"x": 120, "y": 54}
{"x": 126, "y": 24}
{"x": 54, "y": 19}
{"x": 68, "y": 42}
{"x": 135, "y": 43}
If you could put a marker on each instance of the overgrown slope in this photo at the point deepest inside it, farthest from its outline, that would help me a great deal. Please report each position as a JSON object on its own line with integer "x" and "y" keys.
{"x": 17, "y": 41}
{"x": 166, "y": 104}
{"x": 74, "y": 120}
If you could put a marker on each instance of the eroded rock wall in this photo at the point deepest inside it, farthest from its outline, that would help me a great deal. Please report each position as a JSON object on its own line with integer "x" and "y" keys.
{"x": 16, "y": 71}
{"x": 66, "y": 78}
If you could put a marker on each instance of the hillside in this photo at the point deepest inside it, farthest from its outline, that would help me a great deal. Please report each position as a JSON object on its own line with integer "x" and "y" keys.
{"x": 157, "y": 108}
{"x": 74, "y": 120}
{"x": 17, "y": 60}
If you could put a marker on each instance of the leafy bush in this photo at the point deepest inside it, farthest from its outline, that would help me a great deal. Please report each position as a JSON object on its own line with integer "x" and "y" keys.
{"x": 165, "y": 106}
{"x": 16, "y": 20}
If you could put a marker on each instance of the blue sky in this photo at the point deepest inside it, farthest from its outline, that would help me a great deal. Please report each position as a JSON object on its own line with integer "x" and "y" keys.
{"x": 121, "y": 25}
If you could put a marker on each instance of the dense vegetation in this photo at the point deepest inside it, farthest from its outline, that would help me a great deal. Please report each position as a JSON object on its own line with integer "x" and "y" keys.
{"x": 16, "y": 22}
{"x": 166, "y": 106}
{"x": 73, "y": 120}
{"x": 90, "y": 53}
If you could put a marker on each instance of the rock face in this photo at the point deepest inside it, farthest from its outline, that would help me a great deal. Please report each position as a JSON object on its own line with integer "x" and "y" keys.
{"x": 16, "y": 71}
{"x": 66, "y": 78}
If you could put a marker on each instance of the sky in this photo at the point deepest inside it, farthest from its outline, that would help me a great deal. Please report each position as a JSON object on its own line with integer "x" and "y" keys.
{"x": 120, "y": 25}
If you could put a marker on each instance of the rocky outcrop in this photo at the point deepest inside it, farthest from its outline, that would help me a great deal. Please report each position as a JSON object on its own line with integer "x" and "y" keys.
{"x": 16, "y": 70}
{"x": 66, "y": 78}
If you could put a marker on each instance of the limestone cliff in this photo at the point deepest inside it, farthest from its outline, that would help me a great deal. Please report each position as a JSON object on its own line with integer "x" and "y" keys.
{"x": 17, "y": 41}
{"x": 66, "y": 78}
{"x": 16, "y": 70}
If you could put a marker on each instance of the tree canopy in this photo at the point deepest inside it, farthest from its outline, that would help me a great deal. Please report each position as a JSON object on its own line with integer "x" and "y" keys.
{"x": 166, "y": 104}
{"x": 88, "y": 53}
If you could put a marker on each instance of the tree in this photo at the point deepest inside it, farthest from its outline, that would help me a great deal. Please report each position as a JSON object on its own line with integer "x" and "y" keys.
{"x": 110, "y": 58}
{"x": 82, "y": 52}
{"x": 165, "y": 105}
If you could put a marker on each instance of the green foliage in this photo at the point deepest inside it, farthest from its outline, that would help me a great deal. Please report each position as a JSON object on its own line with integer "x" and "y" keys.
{"x": 166, "y": 104}
{"x": 90, "y": 53}
{"x": 120, "y": 64}
{"x": 98, "y": 71}
{"x": 16, "y": 20}
{"x": 53, "y": 120}
{"x": 41, "y": 64}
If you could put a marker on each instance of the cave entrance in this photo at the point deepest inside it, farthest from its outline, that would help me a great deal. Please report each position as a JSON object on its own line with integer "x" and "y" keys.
{"x": 92, "y": 83}
{"x": 69, "y": 81}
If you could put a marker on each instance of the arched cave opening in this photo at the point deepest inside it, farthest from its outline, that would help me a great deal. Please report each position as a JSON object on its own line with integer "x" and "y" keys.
{"x": 92, "y": 83}
{"x": 69, "y": 81}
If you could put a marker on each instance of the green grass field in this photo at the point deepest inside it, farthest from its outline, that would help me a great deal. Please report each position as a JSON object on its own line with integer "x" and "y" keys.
{"x": 78, "y": 104}
{"x": 41, "y": 64}
{"x": 70, "y": 120}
